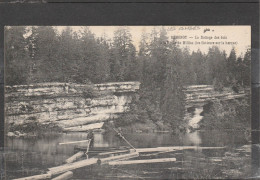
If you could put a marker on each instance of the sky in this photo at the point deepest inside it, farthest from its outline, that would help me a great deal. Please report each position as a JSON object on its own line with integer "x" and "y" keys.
{"x": 192, "y": 37}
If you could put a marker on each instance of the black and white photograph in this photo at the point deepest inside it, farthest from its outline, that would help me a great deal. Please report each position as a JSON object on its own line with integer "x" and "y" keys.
{"x": 127, "y": 102}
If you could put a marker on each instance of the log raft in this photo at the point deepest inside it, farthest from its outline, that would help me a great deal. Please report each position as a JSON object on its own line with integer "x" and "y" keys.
{"x": 88, "y": 162}
{"x": 114, "y": 160}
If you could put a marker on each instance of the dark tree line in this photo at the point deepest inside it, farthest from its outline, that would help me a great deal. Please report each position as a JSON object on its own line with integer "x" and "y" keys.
{"x": 40, "y": 54}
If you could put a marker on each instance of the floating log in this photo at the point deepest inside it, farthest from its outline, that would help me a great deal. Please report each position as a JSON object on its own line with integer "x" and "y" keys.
{"x": 99, "y": 149}
{"x": 116, "y": 158}
{"x": 36, "y": 177}
{"x": 113, "y": 152}
{"x": 75, "y": 157}
{"x": 145, "y": 161}
{"x": 72, "y": 166}
{"x": 85, "y": 127}
{"x": 173, "y": 148}
{"x": 74, "y": 142}
{"x": 66, "y": 175}
{"x": 88, "y": 162}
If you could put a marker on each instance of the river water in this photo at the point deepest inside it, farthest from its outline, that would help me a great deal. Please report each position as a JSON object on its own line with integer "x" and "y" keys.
{"x": 31, "y": 156}
{"x": 26, "y": 157}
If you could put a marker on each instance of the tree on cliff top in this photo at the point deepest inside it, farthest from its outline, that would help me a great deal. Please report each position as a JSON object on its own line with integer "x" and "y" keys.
{"x": 161, "y": 95}
{"x": 17, "y": 61}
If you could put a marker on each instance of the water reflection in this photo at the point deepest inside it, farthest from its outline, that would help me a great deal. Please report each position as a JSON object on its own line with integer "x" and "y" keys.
{"x": 32, "y": 156}
{"x": 192, "y": 138}
{"x": 109, "y": 139}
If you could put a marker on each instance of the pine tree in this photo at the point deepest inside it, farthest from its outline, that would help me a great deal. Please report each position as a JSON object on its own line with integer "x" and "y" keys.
{"x": 17, "y": 60}
{"x": 102, "y": 64}
{"x": 246, "y": 68}
{"x": 44, "y": 54}
{"x": 124, "y": 55}
{"x": 232, "y": 65}
{"x": 173, "y": 96}
{"x": 217, "y": 67}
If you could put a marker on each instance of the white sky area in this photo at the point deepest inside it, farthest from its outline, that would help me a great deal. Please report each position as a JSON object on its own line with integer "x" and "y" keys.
{"x": 238, "y": 37}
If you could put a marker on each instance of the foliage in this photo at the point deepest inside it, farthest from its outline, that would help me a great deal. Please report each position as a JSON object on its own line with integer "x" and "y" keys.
{"x": 41, "y": 54}
{"x": 231, "y": 115}
{"x": 35, "y": 128}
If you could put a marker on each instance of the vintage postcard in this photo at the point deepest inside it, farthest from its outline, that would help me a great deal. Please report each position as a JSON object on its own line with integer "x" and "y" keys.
{"x": 127, "y": 102}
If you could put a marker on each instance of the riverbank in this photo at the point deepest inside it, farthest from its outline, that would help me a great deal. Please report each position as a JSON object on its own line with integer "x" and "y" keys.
{"x": 34, "y": 129}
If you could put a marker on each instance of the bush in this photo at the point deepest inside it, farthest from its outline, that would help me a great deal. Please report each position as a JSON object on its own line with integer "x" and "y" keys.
{"x": 234, "y": 115}
{"x": 35, "y": 128}
{"x": 218, "y": 86}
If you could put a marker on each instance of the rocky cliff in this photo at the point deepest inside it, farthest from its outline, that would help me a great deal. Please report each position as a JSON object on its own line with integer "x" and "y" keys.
{"x": 197, "y": 96}
{"x": 66, "y": 104}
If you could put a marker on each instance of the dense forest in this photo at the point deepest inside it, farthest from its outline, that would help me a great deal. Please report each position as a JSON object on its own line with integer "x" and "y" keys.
{"x": 42, "y": 54}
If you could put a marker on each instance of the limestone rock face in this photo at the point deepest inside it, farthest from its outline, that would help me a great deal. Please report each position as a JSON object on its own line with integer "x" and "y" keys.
{"x": 198, "y": 95}
{"x": 66, "y": 105}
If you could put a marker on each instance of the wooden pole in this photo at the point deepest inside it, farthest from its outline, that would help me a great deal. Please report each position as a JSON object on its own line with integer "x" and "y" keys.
{"x": 145, "y": 161}
{"x": 65, "y": 176}
{"x": 124, "y": 138}
{"x": 88, "y": 148}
